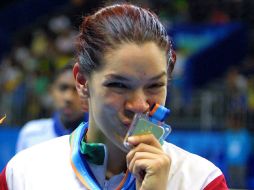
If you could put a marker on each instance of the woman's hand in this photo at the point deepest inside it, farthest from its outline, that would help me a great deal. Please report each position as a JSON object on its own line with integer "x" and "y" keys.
{"x": 148, "y": 163}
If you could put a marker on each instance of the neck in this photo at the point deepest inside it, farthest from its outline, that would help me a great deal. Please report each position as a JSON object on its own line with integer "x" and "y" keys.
{"x": 116, "y": 157}
{"x": 116, "y": 160}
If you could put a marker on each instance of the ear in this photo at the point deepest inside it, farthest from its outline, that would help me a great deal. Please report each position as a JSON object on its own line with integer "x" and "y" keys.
{"x": 81, "y": 86}
{"x": 172, "y": 61}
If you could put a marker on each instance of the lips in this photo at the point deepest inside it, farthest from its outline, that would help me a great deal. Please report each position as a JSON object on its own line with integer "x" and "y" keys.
{"x": 125, "y": 121}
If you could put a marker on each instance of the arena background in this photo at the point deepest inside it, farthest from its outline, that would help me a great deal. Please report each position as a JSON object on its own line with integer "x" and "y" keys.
{"x": 212, "y": 88}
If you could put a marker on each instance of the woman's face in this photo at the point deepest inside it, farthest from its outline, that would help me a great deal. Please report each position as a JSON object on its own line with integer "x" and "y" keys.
{"x": 132, "y": 78}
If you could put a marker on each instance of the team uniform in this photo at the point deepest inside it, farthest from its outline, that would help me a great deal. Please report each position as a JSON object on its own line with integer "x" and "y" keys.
{"x": 59, "y": 164}
{"x": 40, "y": 130}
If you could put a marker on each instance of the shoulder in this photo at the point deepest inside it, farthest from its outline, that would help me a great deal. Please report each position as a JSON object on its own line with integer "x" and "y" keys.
{"x": 46, "y": 148}
{"x": 190, "y": 170}
{"x": 42, "y": 161}
{"x": 38, "y": 125}
{"x": 34, "y": 132}
{"x": 181, "y": 156}
{"x": 41, "y": 155}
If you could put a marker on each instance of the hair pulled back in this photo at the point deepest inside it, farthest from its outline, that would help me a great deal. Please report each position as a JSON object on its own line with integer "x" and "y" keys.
{"x": 113, "y": 25}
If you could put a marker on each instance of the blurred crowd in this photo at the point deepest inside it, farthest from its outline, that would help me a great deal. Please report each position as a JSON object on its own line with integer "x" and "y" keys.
{"x": 27, "y": 69}
{"x": 40, "y": 49}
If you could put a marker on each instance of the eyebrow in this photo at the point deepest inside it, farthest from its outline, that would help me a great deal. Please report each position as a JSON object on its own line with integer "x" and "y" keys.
{"x": 122, "y": 78}
{"x": 159, "y": 76}
{"x": 117, "y": 77}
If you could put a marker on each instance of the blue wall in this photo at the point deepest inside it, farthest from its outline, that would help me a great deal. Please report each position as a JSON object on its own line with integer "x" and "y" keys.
{"x": 208, "y": 144}
{"x": 8, "y": 137}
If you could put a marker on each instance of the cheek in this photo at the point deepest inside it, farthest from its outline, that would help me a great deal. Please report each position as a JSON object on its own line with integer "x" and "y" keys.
{"x": 78, "y": 103}
{"x": 159, "y": 97}
{"x": 57, "y": 98}
{"x": 58, "y": 104}
{"x": 114, "y": 101}
{"x": 107, "y": 102}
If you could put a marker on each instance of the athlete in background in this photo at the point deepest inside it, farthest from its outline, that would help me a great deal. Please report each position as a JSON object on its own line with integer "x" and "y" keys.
{"x": 67, "y": 114}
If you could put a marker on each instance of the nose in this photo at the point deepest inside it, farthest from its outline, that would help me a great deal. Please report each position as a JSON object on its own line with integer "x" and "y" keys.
{"x": 137, "y": 102}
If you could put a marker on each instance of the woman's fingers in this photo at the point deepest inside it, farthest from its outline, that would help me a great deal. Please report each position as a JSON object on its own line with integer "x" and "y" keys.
{"x": 142, "y": 148}
{"x": 148, "y": 162}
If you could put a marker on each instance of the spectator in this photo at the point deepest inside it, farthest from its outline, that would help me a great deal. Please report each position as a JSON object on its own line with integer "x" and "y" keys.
{"x": 238, "y": 140}
{"x": 68, "y": 112}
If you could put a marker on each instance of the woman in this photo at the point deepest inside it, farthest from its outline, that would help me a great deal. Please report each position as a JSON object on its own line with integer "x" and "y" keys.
{"x": 124, "y": 62}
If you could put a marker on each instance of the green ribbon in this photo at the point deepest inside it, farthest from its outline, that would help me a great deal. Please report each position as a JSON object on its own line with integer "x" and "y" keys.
{"x": 93, "y": 152}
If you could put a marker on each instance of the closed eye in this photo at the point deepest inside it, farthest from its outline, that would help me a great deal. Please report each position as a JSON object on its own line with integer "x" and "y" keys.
{"x": 63, "y": 87}
{"x": 155, "y": 85}
{"x": 118, "y": 85}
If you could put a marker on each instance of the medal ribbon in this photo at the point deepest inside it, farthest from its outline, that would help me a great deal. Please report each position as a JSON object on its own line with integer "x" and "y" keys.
{"x": 81, "y": 167}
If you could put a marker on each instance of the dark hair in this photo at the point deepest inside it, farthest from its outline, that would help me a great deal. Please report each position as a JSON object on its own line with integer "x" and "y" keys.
{"x": 113, "y": 25}
{"x": 66, "y": 67}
